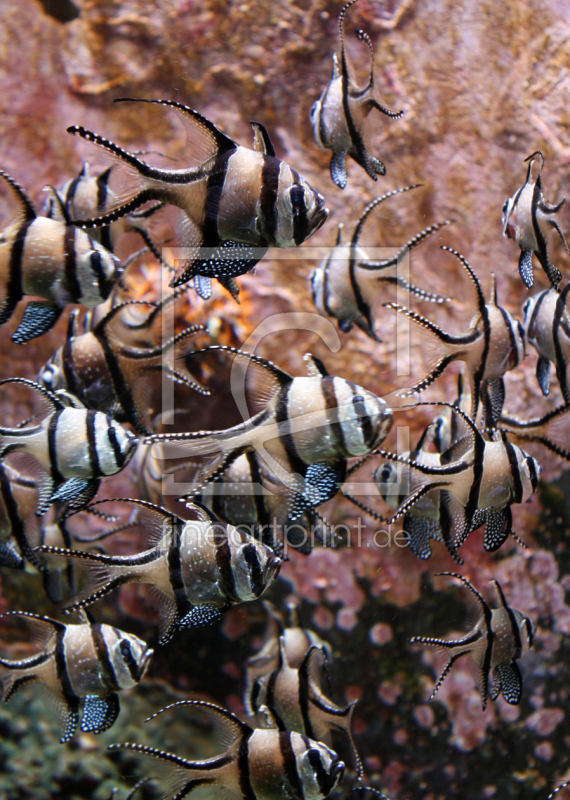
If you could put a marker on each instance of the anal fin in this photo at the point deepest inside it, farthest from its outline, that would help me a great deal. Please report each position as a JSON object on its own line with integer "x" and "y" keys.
{"x": 39, "y": 317}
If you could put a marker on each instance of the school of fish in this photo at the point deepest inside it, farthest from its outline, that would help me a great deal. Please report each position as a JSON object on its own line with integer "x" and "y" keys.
{"x": 247, "y": 491}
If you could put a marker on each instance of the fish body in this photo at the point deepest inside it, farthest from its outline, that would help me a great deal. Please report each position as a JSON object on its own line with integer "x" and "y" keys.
{"x": 528, "y": 219}
{"x": 50, "y": 259}
{"x": 340, "y": 115}
{"x": 113, "y": 366}
{"x": 200, "y": 567}
{"x": 74, "y": 446}
{"x": 306, "y": 430}
{"x": 256, "y": 764}
{"x": 492, "y": 345}
{"x": 547, "y": 329}
{"x": 237, "y": 202}
{"x": 86, "y": 663}
{"x": 498, "y": 640}
{"x": 347, "y": 282}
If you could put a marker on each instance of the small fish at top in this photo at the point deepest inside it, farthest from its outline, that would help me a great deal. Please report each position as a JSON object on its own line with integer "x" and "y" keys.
{"x": 199, "y": 567}
{"x": 346, "y": 284}
{"x": 340, "y": 115}
{"x": 255, "y": 765}
{"x": 88, "y": 195}
{"x": 528, "y": 218}
{"x": 236, "y": 202}
{"x": 547, "y": 329}
{"x": 116, "y": 366}
{"x": 86, "y": 663}
{"x": 74, "y": 446}
{"x": 498, "y": 640}
{"x": 491, "y": 345}
{"x": 50, "y": 259}
{"x": 304, "y": 431}
{"x": 296, "y": 640}
{"x": 479, "y": 478}
{"x": 292, "y": 700}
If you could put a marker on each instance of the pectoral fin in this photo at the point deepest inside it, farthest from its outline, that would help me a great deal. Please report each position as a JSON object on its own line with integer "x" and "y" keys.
{"x": 99, "y": 713}
{"x": 77, "y": 492}
{"x": 39, "y": 316}
{"x": 543, "y": 375}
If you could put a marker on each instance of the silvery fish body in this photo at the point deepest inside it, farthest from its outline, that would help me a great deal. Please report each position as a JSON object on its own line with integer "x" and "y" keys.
{"x": 74, "y": 446}
{"x": 528, "y": 219}
{"x": 86, "y": 663}
{"x": 50, "y": 259}
{"x": 114, "y": 366}
{"x": 200, "y": 567}
{"x": 492, "y": 345}
{"x": 340, "y": 115}
{"x": 547, "y": 329}
{"x": 304, "y": 434}
{"x": 498, "y": 640}
{"x": 237, "y": 202}
{"x": 256, "y": 764}
{"x": 346, "y": 284}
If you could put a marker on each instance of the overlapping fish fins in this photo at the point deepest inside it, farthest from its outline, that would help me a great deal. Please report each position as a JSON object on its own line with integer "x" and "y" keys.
{"x": 508, "y": 680}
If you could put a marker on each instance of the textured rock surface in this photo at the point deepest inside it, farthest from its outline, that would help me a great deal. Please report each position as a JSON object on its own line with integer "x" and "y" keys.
{"x": 482, "y": 85}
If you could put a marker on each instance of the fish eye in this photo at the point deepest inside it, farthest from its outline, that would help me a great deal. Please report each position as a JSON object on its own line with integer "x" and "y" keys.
{"x": 250, "y": 555}
{"x": 385, "y": 474}
{"x": 360, "y": 406}
{"x": 126, "y": 651}
{"x": 295, "y": 200}
{"x": 49, "y": 376}
{"x": 505, "y": 206}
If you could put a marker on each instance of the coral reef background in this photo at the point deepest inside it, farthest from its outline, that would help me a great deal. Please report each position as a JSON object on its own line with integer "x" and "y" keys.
{"x": 482, "y": 85}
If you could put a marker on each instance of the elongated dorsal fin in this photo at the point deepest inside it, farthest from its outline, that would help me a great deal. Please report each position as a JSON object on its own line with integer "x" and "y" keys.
{"x": 235, "y": 724}
{"x": 261, "y": 141}
{"x": 63, "y": 214}
{"x": 51, "y": 397}
{"x": 58, "y": 626}
{"x": 480, "y": 599}
{"x": 203, "y": 513}
{"x": 27, "y": 210}
{"x": 314, "y": 366}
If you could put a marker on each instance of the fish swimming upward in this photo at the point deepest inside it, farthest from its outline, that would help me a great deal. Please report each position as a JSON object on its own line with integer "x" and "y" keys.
{"x": 297, "y": 641}
{"x": 86, "y": 663}
{"x": 528, "y": 219}
{"x": 292, "y": 700}
{"x": 115, "y": 366}
{"x": 496, "y": 643}
{"x": 237, "y": 202}
{"x": 256, "y": 764}
{"x": 75, "y": 447}
{"x": 304, "y": 432}
{"x": 547, "y": 329}
{"x": 492, "y": 344}
{"x": 199, "y": 567}
{"x": 88, "y": 195}
{"x": 479, "y": 478}
{"x": 341, "y": 113}
{"x": 347, "y": 283}
{"x": 50, "y": 259}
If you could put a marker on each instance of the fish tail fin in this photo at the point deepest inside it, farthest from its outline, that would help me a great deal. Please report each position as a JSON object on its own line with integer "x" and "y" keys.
{"x": 12, "y": 679}
{"x": 127, "y": 184}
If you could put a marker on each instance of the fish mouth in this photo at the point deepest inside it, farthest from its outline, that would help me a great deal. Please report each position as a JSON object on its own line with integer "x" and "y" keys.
{"x": 383, "y": 422}
{"x": 145, "y": 661}
{"x": 271, "y": 569}
{"x": 321, "y": 213}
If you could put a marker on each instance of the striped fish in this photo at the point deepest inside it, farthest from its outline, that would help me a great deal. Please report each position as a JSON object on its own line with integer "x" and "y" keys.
{"x": 297, "y": 641}
{"x": 492, "y": 345}
{"x": 528, "y": 219}
{"x": 496, "y": 643}
{"x": 346, "y": 284}
{"x": 306, "y": 429}
{"x": 199, "y": 567}
{"x": 340, "y": 115}
{"x": 86, "y": 663}
{"x": 479, "y": 478}
{"x": 237, "y": 202}
{"x": 547, "y": 329}
{"x": 74, "y": 446}
{"x": 256, "y": 764}
{"x": 293, "y": 700}
{"x": 115, "y": 366}
{"x": 88, "y": 195}
{"x": 50, "y": 259}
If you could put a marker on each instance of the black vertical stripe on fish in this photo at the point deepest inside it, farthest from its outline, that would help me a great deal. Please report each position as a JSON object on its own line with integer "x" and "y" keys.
{"x": 176, "y": 579}
{"x": 304, "y": 699}
{"x": 70, "y": 263}
{"x": 475, "y": 490}
{"x": 14, "y": 288}
{"x": 214, "y": 191}
{"x": 368, "y": 432}
{"x": 270, "y": 697}
{"x": 52, "y": 446}
{"x": 479, "y": 373}
{"x": 102, "y": 188}
{"x": 67, "y": 361}
{"x": 270, "y": 173}
{"x": 255, "y": 570}
{"x": 128, "y": 658}
{"x": 224, "y": 563}
{"x": 361, "y": 303}
{"x": 515, "y": 471}
{"x": 300, "y": 218}
{"x": 512, "y": 336}
{"x": 262, "y": 514}
{"x": 290, "y": 762}
{"x": 287, "y": 439}
{"x": 120, "y": 385}
{"x": 71, "y": 190}
{"x": 245, "y": 785}
{"x": 540, "y": 240}
{"x": 90, "y": 420}
{"x": 323, "y": 780}
{"x": 96, "y": 264}
{"x": 61, "y": 669}
{"x": 105, "y": 237}
{"x": 103, "y": 656}
{"x": 331, "y": 404}
{"x": 15, "y": 522}
{"x": 533, "y": 474}
{"x": 561, "y": 366}
{"x": 116, "y": 447}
